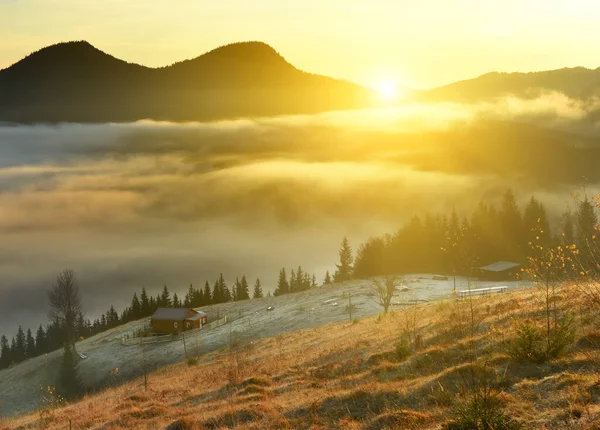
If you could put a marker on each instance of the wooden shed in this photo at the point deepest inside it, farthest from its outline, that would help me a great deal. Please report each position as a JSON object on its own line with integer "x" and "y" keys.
{"x": 175, "y": 320}
{"x": 499, "y": 271}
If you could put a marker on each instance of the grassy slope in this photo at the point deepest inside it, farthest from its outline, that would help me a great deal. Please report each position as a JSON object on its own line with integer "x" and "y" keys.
{"x": 20, "y": 387}
{"x": 343, "y": 375}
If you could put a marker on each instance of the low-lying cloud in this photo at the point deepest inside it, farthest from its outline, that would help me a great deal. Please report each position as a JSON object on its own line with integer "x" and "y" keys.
{"x": 148, "y": 204}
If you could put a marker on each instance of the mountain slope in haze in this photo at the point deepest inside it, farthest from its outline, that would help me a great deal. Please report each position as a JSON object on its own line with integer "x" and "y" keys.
{"x": 578, "y": 83}
{"x": 74, "y": 81}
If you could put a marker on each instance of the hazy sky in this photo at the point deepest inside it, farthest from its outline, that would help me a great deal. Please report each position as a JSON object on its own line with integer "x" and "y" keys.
{"x": 415, "y": 43}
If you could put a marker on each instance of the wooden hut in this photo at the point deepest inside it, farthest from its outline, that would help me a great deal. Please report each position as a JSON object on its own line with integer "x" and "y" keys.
{"x": 175, "y": 320}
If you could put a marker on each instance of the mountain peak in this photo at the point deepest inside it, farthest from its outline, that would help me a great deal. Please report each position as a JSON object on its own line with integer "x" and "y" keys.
{"x": 253, "y": 50}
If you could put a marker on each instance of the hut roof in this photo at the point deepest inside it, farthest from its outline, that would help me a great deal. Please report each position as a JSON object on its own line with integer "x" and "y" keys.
{"x": 500, "y": 266}
{"x": 171, "y": 314}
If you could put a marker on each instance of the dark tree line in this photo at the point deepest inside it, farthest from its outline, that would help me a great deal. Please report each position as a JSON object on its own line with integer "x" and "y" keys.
{"x": 299, "y": 280}
{"x": 459, "y": 245}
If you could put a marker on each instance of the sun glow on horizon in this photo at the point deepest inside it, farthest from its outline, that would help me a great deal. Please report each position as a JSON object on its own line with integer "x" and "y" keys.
{"x": 388, "y": 90}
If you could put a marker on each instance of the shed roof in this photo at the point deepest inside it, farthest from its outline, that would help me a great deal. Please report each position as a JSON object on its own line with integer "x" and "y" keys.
{"x": 171, "y": 314}
{"x": 500, "y": 266}
{"x": 197, "y": 316}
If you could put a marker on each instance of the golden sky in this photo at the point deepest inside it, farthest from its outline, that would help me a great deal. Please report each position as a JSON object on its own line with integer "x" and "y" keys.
{"x": 415, "y": 43}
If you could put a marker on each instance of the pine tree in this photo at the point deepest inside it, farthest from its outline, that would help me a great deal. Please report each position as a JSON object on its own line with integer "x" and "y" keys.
{"x": 20, "y": 346}
{"x": 327, "y": 279}
{"x": 282, "y": 284}
{"x": 234, "y": 290}
{"x": 293, "y": 282}
{"x": 165, "y": 298}
{"x": 152, "y": 306}
{"x": 567, "y": 229}
{"x": 226, "y": 294}
{"x": 300, "y": 281}
{"x": 30, "y": 351}
{"x": 217, "y": 295}
{"x": 176, "y": 302}
{"x": 207, "y": 297}
{"x": 313, "y": 282}
{"x": 258, "y": 292}
{"x": 511, "y": 229}
{"x": 5, "y": 353}
{"x": 189, "y": 301}
{"x": 344, "y": 269}
{"x": 587, "y": 236}
{"x": 70, "y": 385}
{"x": 80, "y": 325}
{"x": 136, "y": 307}
{"x": 243, "y": 290}
{"x": 145, "y": 308}
{"x": 40, "y": 341}
{"x": 537, "y": 228}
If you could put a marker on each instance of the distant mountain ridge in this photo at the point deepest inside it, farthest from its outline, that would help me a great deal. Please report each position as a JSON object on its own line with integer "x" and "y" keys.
{"x": 576, "y": 82}
{"x": 75, "y": 82}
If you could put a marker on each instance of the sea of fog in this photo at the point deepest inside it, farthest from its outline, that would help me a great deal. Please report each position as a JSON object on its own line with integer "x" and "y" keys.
{"x": 152, "y": 204}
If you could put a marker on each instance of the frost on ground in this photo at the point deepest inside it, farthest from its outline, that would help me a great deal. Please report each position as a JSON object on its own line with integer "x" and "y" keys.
{"x": 109, "y": 362}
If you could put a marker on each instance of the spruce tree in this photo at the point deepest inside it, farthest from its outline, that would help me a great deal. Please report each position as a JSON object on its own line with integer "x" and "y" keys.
{"x": 217, "y": 295}
{"x": 587, "y": 236}
{"x": 40, "y": 341}
{"x": 189, "y": 301}
{"x": 145, "y": 307}
{"x": 344, "y": 268}
{"x": 70, "y": 385}
{"x": 313, "y": 282}
{"x": 20, "y": 346}
{"x": 235, "y": 289}
{"x": 327, "y": 279}
{"x": 293, "y": 282}
{"x": 243, "y": 291}
{"x": 511, "y": 229}
{"x": 5, "y": 353}
{"x": 165, "y": 298}
{"x": 30, "y": 351}
{"x": 136, "y": 307}
{"x": 176, "y": 302}
{"x": 226, "y": 294}
{"x": 567, "y": 236}
{"x": 207, "y": 297}
{"x": 80, "y": 326}
{"x": 258, "y": 292}
{"x": 282, "y": 284}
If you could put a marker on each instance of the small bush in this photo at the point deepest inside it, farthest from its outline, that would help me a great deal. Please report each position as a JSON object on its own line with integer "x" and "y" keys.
{"x": 403, "y": 349}
{"x": 192, "y": 361}
{"x": 531, "y": 342}
{"x": 483, "y": 411}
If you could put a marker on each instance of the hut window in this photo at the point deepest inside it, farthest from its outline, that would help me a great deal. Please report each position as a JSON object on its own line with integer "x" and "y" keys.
{"x": 188, "y": 324}
{"x": 175, "y": 324}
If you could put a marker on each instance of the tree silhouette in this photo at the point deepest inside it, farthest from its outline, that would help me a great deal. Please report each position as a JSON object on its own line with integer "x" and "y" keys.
{"x": 258, "y": 292}
{"x": 5, "y": 353}
{"x": 344, "y": 268}
{"x": 282, "y": 284}
{"x": 30, "y": 345}
{"x": 65, "y": 303}
{"x": 69, "y": 385}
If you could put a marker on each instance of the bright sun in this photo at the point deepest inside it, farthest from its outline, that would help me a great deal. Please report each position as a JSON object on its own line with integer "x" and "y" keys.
{"x": 387, "y": 90}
